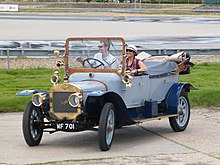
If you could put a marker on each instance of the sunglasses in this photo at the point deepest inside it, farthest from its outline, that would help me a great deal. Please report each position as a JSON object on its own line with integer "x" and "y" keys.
{"x": 128, "y": 50}
{"x": 100, "y": 46}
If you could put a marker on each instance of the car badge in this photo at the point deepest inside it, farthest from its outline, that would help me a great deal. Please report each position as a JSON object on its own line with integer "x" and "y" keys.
{"x": 63, "y": 102}
{"x": 65, "y": 86}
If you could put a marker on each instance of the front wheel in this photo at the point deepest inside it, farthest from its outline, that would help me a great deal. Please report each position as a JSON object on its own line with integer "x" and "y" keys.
{"x": 180, "y": 122}
{"x": 32, "y": 121}
{"x": 106, "y": 126}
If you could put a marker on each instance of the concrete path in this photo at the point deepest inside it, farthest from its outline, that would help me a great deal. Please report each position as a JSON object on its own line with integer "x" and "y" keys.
{"x": 152, "y": 142}
{"x": 56, "y": 28}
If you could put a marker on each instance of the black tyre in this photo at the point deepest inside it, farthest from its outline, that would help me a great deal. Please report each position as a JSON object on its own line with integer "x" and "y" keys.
{"x": 180, "y": 122}
{"x": 106, "y": 127}
{"x": 32, "y": 130}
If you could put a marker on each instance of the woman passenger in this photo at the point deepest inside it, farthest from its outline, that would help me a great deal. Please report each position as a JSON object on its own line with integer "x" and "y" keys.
{"x": 133, "y": 64}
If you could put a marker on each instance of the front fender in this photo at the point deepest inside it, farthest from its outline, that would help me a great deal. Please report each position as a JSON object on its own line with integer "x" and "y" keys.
{"x": 96, "y": 100}
{"x": 29, "y": 92}
{"x": 97, "y": 93}
{"x": 173, "y": 95}
{"x": 46, "y": 106}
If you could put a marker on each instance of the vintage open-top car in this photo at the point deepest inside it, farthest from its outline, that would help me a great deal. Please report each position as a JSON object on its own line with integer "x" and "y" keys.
{"x": 92, "y": 97}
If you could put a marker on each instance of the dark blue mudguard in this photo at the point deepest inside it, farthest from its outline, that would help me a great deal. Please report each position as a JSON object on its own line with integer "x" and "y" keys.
{"x": 96, "y": 100}
{"x": 45, "y": 106}
{"x": 173, "y": 95}
{"x": 29, "y": 92}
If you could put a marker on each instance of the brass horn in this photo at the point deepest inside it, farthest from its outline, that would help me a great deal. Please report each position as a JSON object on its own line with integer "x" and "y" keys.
{"x": 56, "y": 53}
{"x": 127, "y": 80}
{"x": 59, "y": 63}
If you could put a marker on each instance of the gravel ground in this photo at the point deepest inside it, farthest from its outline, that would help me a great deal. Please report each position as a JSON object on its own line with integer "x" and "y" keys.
{"x": 15, "y": 63}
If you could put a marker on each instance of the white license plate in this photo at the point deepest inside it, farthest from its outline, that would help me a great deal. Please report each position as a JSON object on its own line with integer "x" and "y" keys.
{"x": 66, "y": 126}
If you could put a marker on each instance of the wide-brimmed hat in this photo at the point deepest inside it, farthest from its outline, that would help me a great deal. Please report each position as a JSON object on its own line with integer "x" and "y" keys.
{"x": 132, "y": 47}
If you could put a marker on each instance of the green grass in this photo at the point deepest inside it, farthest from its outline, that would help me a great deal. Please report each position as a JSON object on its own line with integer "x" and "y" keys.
{"x": 204, "y": 76}
{"x": 21, "y": 79}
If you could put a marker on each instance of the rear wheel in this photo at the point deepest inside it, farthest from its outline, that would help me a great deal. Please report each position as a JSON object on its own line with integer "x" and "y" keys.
{"x": 32, "y": 121}
{"x": 106, "y": 127}
{"x": 180, "y": 122}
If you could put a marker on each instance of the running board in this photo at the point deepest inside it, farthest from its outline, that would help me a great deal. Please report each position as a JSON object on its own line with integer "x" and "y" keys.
{"x": 142, "y": 120}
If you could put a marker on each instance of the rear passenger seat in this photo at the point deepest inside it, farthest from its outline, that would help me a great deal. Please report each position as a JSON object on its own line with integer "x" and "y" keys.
{"x": 159, "y": 67}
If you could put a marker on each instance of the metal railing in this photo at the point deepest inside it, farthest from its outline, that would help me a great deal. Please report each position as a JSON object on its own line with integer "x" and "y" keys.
{"x": 4, "y": 52}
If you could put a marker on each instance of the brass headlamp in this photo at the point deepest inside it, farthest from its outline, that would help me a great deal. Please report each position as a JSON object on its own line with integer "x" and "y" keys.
{"x": 38, "y": 99}
{"x": 55, "y": 79}
{"x": 75, "y": 99}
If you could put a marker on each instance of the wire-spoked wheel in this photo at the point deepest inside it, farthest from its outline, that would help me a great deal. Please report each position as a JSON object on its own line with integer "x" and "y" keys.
{"x": 106, "y": 126}
{"x": 32, "y": 119}
{"x": 180, "y": 122}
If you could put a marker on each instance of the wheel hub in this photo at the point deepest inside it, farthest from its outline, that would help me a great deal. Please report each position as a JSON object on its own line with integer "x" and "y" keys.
{"x": 181, "y": 112}
{"x": 110, "y": 128}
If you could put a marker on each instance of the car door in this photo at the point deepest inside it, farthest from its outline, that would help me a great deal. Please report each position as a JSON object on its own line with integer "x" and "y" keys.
{"x": 135, "y": 95}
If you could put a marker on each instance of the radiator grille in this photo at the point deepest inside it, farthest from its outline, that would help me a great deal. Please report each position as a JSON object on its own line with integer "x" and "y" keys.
{"x": 61, "y": 103}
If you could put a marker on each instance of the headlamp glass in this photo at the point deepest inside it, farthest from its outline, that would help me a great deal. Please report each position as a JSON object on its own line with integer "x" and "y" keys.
{"x": 38, "y": 99}
{"x": 74, "y": 99}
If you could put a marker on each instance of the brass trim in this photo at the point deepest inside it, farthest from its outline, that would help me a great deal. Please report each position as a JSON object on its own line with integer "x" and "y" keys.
{"x": 79, "y": 96}
{"x": 71, "y": 70}
{"x": 106, "y": 87}
{"x": 69, "y": 116}
{"x": 42, "y": 96}
{"x": 74, "y": 70}
{"x": 64, "y": 88}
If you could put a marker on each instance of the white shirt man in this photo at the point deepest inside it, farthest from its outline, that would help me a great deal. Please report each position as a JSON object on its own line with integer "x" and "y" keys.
{"x": 109, "y": 61}
{"x": 104, "y": 56}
